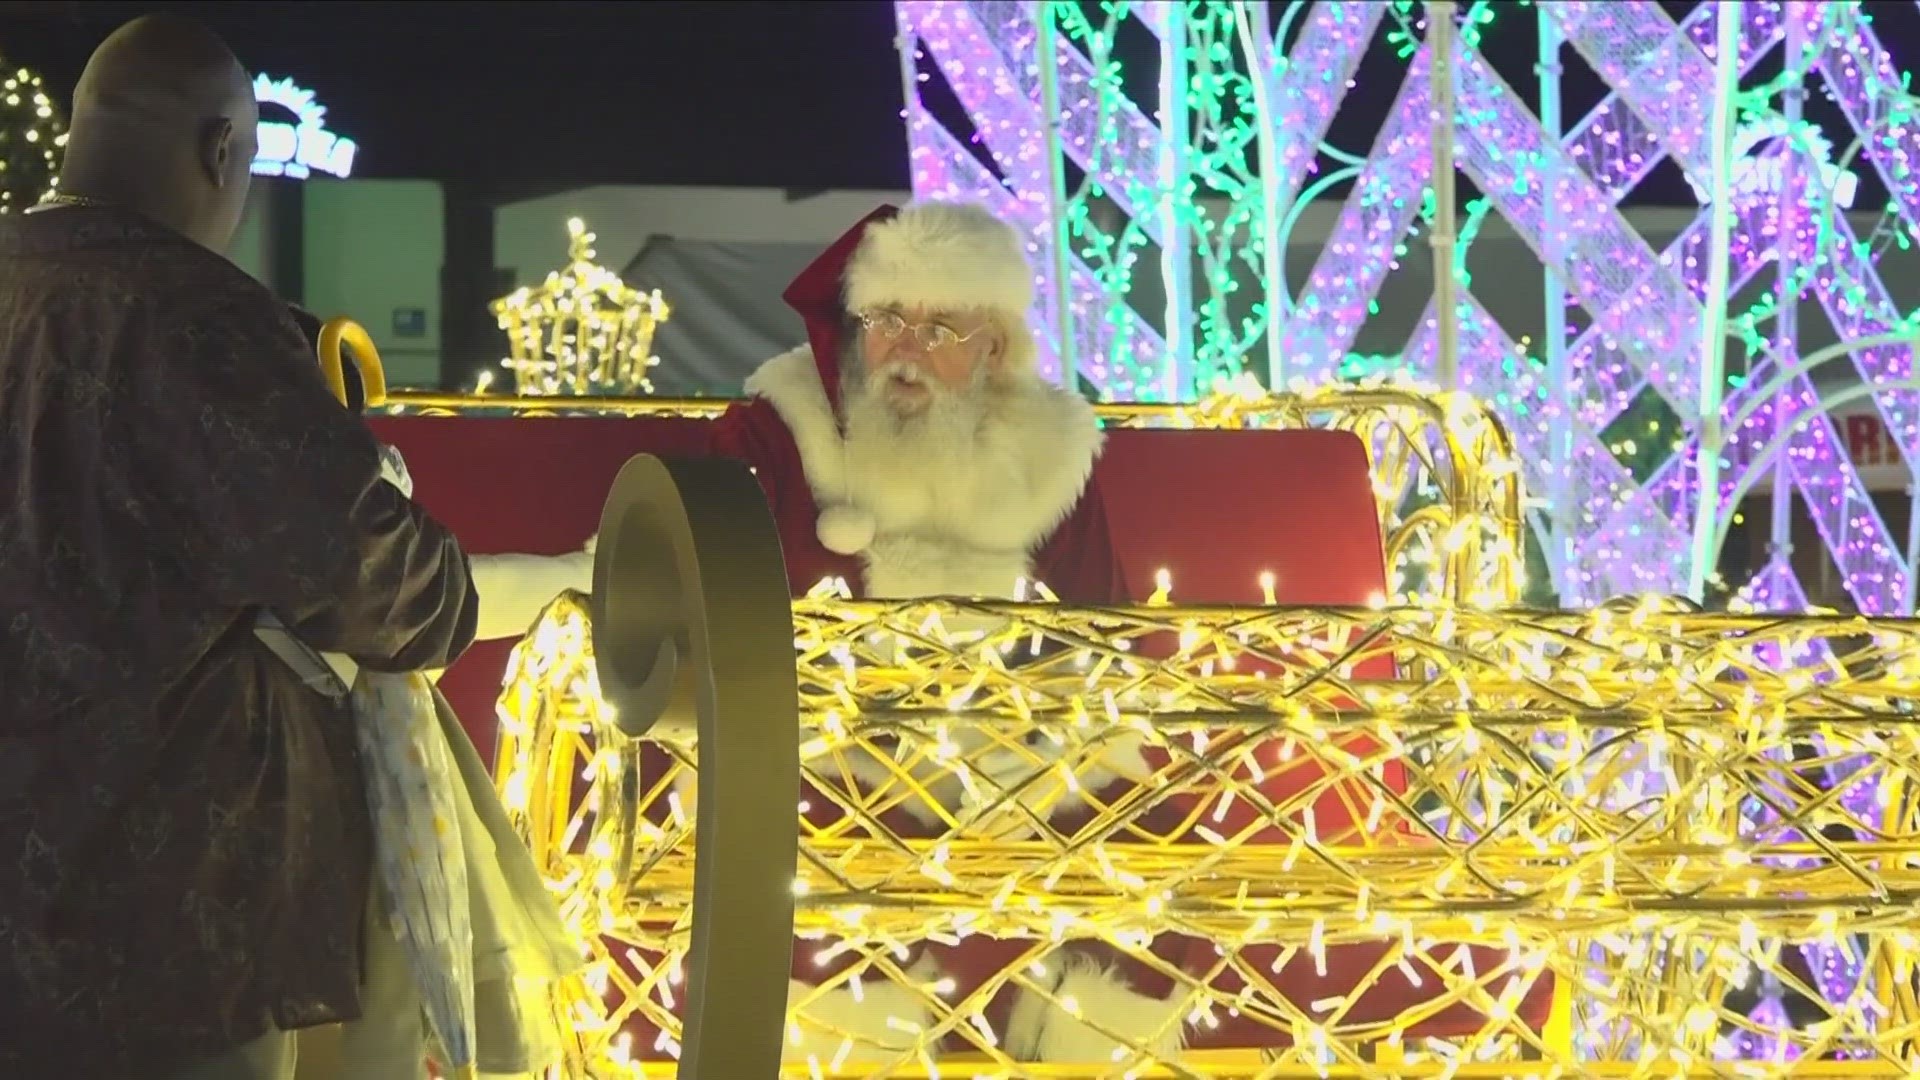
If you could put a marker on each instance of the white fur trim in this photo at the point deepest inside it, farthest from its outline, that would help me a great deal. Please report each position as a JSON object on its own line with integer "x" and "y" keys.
{"x": 514, "y": 589}
{"x": 906, "y": 565}
{"x": 1090, "y": 993}
{"x": 940, "y": 537}
{"x": 870, "y": 1028}
{"x": 845, "y": 530}
{"x": 943, "y": 257}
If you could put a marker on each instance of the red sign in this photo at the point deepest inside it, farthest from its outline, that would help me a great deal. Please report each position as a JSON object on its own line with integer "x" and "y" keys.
{"x": 1871, "y": 447}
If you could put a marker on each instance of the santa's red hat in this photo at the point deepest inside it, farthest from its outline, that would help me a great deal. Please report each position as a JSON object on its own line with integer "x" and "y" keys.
{"x": 941, "y": 256}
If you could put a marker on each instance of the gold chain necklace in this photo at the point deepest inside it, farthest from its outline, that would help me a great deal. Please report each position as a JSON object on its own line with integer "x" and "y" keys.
{"x": 59, "y": 199}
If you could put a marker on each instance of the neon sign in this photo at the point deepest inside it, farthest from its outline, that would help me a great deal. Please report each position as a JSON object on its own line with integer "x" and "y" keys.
{"x": 300, "y": 149}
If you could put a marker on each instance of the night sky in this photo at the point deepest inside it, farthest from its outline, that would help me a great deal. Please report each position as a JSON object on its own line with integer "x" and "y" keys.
{"x": 795, "y": 94}
{"x": 792, "y": 93}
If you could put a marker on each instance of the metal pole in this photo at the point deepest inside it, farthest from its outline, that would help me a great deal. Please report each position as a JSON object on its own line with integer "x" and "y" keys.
{"x": 1273, "y": 216}
{"x": 1713, "y": 322}
{"x": 1062, "y": 259}
{"x": 1560, "y": 511}
{"x": 1440, "y": 39}
{"x": 1787, "y": 326}
{"x": 1182, "y": 377}
{"x": 906, "y": 43}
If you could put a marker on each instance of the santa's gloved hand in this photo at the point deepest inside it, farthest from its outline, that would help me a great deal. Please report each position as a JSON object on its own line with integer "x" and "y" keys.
{"x": 593, "y": 542}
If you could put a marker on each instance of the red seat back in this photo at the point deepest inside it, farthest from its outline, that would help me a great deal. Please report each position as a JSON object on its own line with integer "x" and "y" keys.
{"x": 1216, "y": 507}
{"x": 1219, "y": 508}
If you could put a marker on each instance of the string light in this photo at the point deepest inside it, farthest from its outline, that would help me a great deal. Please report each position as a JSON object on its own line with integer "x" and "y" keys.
{"x": 33, "y": 138}
{"x": 1627, "y": 484}
{"x": 1572, "y": 796}
{"x": 583, "y": 331}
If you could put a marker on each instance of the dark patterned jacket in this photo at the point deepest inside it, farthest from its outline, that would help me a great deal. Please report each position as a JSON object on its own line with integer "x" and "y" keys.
{"x": 184, "y": 844}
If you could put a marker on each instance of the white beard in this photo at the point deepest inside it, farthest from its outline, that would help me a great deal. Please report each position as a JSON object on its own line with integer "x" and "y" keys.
{"x": 908, "y": 467}
{"x": 935, "y": 483}
{"x": 959, "y": 496}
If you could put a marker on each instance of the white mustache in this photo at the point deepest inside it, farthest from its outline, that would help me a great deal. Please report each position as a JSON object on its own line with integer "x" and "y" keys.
{"x": 906, "y": 373}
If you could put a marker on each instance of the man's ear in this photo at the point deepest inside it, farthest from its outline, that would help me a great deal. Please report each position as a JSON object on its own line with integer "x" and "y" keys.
{"x": 216, "y": 150}
{"x": 995, "y": 346}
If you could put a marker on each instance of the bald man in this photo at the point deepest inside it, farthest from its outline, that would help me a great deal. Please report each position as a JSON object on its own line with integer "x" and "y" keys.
{"x": 184, "y": 843}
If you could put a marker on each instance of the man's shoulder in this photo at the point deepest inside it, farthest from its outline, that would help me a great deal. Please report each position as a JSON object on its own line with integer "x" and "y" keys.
{"x": 85, "y": 254}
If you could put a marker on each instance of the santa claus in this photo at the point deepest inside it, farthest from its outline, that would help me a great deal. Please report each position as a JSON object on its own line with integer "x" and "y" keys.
{"x": 910, "y": 448}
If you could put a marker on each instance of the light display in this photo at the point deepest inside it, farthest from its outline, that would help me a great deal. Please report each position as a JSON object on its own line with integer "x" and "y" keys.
{"x": 33, "y": 135}
{"x": 304, "y": 147}
{"x": 583, "y": 331}
{"x": 1064, "y": 148}
{"x": 1622, "y": 810}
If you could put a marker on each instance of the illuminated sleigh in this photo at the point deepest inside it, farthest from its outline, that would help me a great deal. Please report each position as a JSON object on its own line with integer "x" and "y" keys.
{"x": 1633, "y": 808}
{"x": 621, "y": 848}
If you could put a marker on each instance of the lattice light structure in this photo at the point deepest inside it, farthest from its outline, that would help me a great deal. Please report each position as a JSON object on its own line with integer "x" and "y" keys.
{"x": 1210, "y": 179}
{"x": 583, "y": 331}
{"x": 1447, "y": 480}
{"x": 1363, "y": 843}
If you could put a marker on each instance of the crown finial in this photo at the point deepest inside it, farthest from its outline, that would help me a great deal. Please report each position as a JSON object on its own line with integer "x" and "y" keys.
{"x": 583, "y": 331}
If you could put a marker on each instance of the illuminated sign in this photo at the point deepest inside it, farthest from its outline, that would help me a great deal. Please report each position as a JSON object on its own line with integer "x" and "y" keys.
{"x": 304, "y": 147}
{"x": 1764, "y": 174}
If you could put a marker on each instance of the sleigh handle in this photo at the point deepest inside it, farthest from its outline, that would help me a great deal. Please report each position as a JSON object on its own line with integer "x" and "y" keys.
{"x": 693, "y": 632}
{"x": 339, "y": 331}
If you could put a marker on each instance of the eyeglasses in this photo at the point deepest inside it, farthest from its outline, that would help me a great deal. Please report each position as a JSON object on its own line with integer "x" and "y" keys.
{"x": 929, "y": 335}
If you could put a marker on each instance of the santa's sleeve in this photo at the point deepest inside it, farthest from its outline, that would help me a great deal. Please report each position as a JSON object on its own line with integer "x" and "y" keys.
{"x": 1078, "y": 562}
{"x": 514, "y": 589}
{"x": 752, "y": 433}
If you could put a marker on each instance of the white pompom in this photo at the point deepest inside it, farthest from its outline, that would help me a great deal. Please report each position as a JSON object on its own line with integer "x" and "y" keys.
{"x": 845, "y": 530}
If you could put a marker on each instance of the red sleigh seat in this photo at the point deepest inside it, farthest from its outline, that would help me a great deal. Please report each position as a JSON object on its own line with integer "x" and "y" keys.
{"x": 1298, "y": 505}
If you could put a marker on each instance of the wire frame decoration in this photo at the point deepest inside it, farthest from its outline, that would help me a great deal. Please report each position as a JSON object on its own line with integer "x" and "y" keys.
{"x": 583, "y": 331}
{"x": 1160, "y": 202}
{"x": 1623, "y": 810}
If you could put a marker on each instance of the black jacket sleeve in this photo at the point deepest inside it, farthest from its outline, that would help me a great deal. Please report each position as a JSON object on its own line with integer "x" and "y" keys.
{"x": 270, "y": 496}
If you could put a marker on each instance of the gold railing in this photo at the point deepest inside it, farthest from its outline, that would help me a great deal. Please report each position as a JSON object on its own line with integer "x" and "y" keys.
{"x": 1447, "y": 482}
{"x": 1634, "y": 810}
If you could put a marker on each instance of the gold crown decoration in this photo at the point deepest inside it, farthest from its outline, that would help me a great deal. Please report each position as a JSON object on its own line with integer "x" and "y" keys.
{"x": 583, "y": 331}
{"x": 33, "y": 139}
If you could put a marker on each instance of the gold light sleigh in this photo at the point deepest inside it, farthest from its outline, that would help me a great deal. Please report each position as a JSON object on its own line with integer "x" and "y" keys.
{"x": 1640, "y": 804}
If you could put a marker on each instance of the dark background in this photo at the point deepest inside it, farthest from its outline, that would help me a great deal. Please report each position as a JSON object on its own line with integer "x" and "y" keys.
{"x": 798, "y": 94}
{"x": 803, "y": 93}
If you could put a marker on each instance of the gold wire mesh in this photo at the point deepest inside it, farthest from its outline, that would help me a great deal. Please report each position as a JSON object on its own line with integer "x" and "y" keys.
{"x": 1447, "y": 482}
{"x": 1640, "y": 808}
